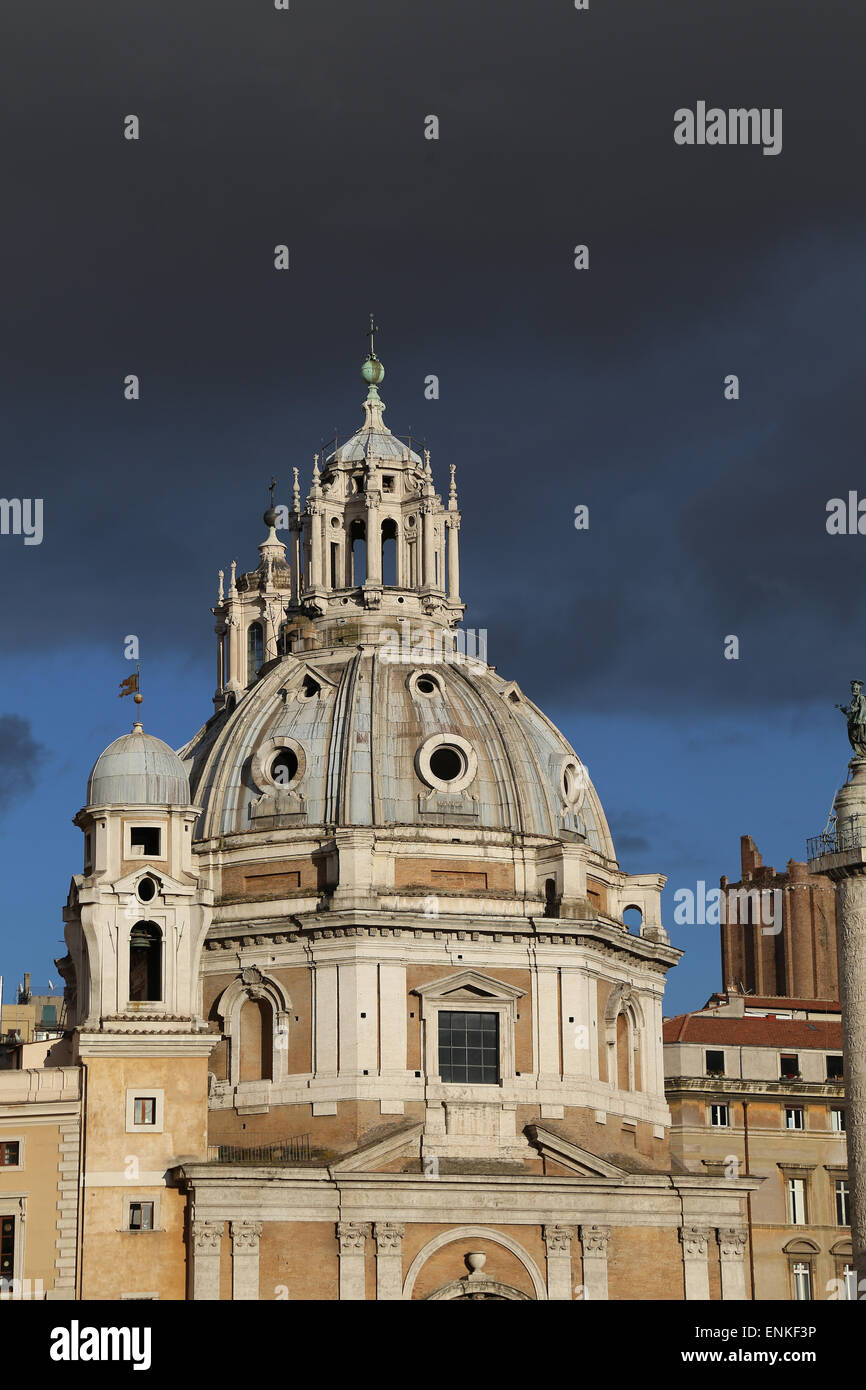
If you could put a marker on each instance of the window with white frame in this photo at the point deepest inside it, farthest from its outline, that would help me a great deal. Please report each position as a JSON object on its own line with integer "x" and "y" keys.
{"x": 837, "y": 1119}
{"x": 794, "y": 1117}
{"x": 797, "y": 1201}
{"x": 469, "y": 1021}
{"x": 140, "y": 1214}
{"x": 719, "y": 1116}
{"x": 843, "y": 1209}
{"x": 801, "y": 1272}
{"x": 11, "y": 1153}
{"x": 145, "y": 841}
{"x": 144, "y": 1110}
{"x": 849, "y": 1281}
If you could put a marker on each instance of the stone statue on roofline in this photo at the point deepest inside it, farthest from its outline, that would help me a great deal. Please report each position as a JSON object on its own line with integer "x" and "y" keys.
{"x": 856, "y": 716}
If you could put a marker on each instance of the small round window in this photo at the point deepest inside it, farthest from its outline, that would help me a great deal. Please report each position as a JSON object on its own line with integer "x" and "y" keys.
{"x": 447, "y": 763}
{"x": 146, "y": 890}
{"x": 284, "y": 767}
{"x": 573, "y": 783}
{"x": 425, "y": 683}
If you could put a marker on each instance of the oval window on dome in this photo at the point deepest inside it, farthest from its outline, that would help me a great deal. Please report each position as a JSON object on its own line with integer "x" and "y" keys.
{"x": 573, "y": 782}
{"x": 447, "y": 762}
{"x": 284, "y": 767}
{"x": 425, "y": 683}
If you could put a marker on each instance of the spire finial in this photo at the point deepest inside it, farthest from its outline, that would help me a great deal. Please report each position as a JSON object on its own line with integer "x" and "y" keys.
{"x": 296, "y": 492}
{"x": 373, "y": 373}
{"x": 270, "y": 516}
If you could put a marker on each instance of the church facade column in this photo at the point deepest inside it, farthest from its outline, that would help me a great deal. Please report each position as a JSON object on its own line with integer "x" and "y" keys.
{"x": 427, "y": 521}
{"x": 206, "y": 1241}
{"x": 374, "y": 536}
{"x": 732, "y": 1252}
{"x": 389, "y": 1259}
{"x": 695, "y": 1242}
{"x": 453, "y": 560}
{"x": 352, "y": 1236}
{"x": 245, "y": 1259}
{"x": 595, "y": 1240}
{"x": 558, "y": 1240}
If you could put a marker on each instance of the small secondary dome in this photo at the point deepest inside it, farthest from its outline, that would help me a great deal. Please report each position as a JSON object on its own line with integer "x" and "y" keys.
{"x": 138, "y": 769}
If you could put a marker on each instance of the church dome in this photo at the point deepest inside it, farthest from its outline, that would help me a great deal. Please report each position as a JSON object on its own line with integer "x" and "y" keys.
{"x": 354, "y": 737}
{"x": 139, "y": 770}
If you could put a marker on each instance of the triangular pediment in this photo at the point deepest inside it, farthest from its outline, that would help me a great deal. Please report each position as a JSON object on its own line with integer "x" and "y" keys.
{"x": 405, "y": 1138}
{"x": 167, "y": 884}
{"x": 468, "y": 984}
{"x": 572, "y": 1156}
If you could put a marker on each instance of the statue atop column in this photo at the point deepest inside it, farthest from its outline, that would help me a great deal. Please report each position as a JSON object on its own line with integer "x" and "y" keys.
{"x": 856, "y": 716}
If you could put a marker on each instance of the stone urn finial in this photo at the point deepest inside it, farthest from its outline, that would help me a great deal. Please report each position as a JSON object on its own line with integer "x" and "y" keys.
{"x": 476, "y": 1260}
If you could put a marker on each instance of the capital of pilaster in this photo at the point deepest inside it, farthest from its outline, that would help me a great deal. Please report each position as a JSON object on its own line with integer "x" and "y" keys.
{"x": 558, "y": 1239}
{"x": 352, "y": 1236}
{"x": 695, "y": 1241}
{"x": 594, "y": 1240}
{"x": 389, "y": 1236}
{"x": 245, "y": 1236}
{"x": 732, "y": 1242}
{"x": 206, "y": 1237}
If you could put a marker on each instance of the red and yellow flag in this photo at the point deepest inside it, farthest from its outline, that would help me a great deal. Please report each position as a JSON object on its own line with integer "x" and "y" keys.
{"x": 129, "y": 686}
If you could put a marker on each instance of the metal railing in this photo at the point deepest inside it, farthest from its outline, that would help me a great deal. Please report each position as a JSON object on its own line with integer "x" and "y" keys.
{"x": 287, "y": 1151}
{"x": 851, "y": 834}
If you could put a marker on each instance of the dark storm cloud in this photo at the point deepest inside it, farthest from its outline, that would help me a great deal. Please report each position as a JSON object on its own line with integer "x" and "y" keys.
{"x": 21, "y": 759}
{"x": 557, "y": 387}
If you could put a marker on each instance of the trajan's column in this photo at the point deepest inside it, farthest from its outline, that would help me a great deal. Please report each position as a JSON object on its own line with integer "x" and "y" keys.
{"x": 841, "y": 853}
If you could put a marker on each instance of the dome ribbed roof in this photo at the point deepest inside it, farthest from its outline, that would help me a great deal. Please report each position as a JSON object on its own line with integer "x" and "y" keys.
{"x": 138, "y": 769}
{"x": 358, "y": 727}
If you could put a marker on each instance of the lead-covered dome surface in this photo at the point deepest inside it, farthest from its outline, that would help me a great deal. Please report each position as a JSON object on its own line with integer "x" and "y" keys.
{"x": 346, "y": 737}
{"x": 140, "y": 770}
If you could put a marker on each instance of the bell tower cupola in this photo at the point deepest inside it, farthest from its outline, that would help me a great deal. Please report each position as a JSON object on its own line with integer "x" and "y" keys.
{"x": 375, "y": 542}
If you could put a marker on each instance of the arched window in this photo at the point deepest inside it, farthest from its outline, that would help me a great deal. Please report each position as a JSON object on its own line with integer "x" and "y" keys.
{"x": 389, "y": 552}
{"x": 255, "y": 649}
{"x": 358, "y": 552}
{"x": 256, "y": 1041}
{"x": 145, "y": 962}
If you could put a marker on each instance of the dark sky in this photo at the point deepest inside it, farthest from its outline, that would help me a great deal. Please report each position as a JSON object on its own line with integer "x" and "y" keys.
{"x": 557, "y": 387}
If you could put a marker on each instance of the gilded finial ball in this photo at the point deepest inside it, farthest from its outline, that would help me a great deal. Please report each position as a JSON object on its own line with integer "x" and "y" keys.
{"x": 138, "y": 698}
{"x": 372, "y": 371}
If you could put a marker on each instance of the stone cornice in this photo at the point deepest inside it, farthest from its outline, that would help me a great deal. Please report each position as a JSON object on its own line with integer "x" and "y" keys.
{"x": 715, "y": 1087}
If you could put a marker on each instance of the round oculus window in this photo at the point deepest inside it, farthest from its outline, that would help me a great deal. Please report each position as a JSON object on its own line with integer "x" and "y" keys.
{"x": 284, "y": 767}
{"x": 447, "y": 763}
{"x": 146, "y": 890}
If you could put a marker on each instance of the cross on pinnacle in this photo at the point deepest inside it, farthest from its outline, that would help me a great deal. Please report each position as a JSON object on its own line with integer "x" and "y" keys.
{"x": 373, "y": 329}
{"x": 271, "y": 489}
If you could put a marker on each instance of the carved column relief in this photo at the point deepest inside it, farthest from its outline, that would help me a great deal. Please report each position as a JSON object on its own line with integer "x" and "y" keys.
{"x": 206, "y": 1240}
{"x": 389, "y": 1259}
{"x": 695, "y": 1242}
{"x": 558, "y": 1241}
{"x": 352, "y": 1236}
{"x": 245, "y": 1259}
{"x": 732, "y": 1251}
{"x": 594, "y": 1240}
